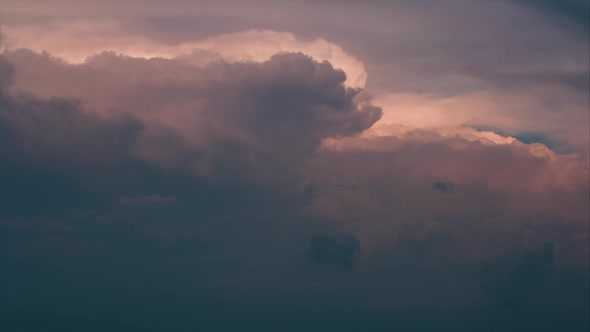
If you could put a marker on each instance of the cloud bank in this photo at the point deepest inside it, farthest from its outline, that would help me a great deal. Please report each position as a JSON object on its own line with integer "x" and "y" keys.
{"x": 267, "y": 189}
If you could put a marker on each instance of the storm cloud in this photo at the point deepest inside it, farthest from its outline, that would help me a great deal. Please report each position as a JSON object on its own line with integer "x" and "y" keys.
{"x": 208, "y": 186}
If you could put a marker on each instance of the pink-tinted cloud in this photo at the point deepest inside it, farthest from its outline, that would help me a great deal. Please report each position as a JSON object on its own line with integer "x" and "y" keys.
{"x": 237, "y": 182}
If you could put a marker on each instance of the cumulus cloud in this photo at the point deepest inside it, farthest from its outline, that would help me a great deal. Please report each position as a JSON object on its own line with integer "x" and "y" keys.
{"x": 285, "y": 120}
{"x": 56, "y": 155}
{"x": 393, "y": 179}
{"x": 282, "y": 121}
{"x": 7, "y": 70}
{"x": 252, "y": 111}
{"x": 281, "y": 166}
{"x": 75, "y": 41}
{"x": 556, "y": 113}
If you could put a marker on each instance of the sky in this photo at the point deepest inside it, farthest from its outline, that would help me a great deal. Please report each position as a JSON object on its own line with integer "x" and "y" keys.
{"x": 295, "y": 165}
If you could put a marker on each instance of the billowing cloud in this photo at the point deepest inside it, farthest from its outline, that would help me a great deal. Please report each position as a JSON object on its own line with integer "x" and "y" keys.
{"x": 383, "y": 183}
{"x": 250, "y": 110}
{"x": 246, "y": 183}
{"x": 76, "y": 41}
{"x": 556, "y": 113}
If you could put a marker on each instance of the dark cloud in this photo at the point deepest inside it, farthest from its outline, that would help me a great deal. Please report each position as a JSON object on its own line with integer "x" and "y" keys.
{"x": 56, "y": 156}
{"x": 574, "y": 11}
{"x": 510, "y": 78}
{"x": 237, "y": 116}
{"x": 236, "y": 193}
{"x": 147, "y": 200}
{"x": 7, "y": 72}
{"x": 443, "y": 186}
{"x": 338, "y": 250}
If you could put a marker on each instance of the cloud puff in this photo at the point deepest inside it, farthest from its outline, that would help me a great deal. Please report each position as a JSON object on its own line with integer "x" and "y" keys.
{"x": 75, "y": 41}
{"x": 252, "y": 111}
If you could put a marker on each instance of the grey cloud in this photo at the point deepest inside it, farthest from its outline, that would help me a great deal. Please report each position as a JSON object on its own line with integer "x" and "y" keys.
{"x": 443, "y": 187}
{"x": 56, "y": 156}
{"x": 61, "y": 159}
{"x": 512, "y": 277}
{"x": 338, "y": 250}
{"x": 7, "y": 73}
{"x": 521, "y": 48}
{"x": 147, "y": 200}
{"x": 236, "y": 115}
{"x": 576, "y": 11}
{"x": 514, "y": 78}
{"x": 239, "y": 245}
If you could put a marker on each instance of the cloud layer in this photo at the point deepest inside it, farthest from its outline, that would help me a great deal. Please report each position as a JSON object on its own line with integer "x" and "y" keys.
{"x": 247, "y": 180}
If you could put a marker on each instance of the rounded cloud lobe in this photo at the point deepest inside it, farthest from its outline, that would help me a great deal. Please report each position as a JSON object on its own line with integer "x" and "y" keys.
{"x": 75, "y": 41}
{"x": 268, "y": 115}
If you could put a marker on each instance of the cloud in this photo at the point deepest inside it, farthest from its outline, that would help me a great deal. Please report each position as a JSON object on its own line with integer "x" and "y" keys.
{"x": 394, "y": 176}
{"x": 56, "y": 155}
{"x": 75, "y": 41}
{"x": 339, "y": 250}
{"x": 277, "y": 163}
{"x": 235, "y": 114}
{"x": 495, "y": 74}
{"x": 443, "y": 187}
{"x": 147, "y": 200}
{"x": 512, "y": 277}
{"x": 7, "y": 70}
{"x": 226, "y": 127}
{"x": 559, "y": 114}
{"x": 576, "y": 11}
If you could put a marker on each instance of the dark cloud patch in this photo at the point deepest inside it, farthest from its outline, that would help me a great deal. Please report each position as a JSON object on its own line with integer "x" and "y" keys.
{"x": 525, "y": 285}
{"x": 575, "y": 11}
{"x": 512, "y": 278}
{"x": 55, "y": 156}
{"x": 443, "y": 187}
{"x": 6, "y": 72}
{"x": 338, "y": 250}
{"x": 228, "y": 127}
{"x": 147, "y": 200}
{"x": 529, "y": 138}
{"x": 308, "y": 193}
